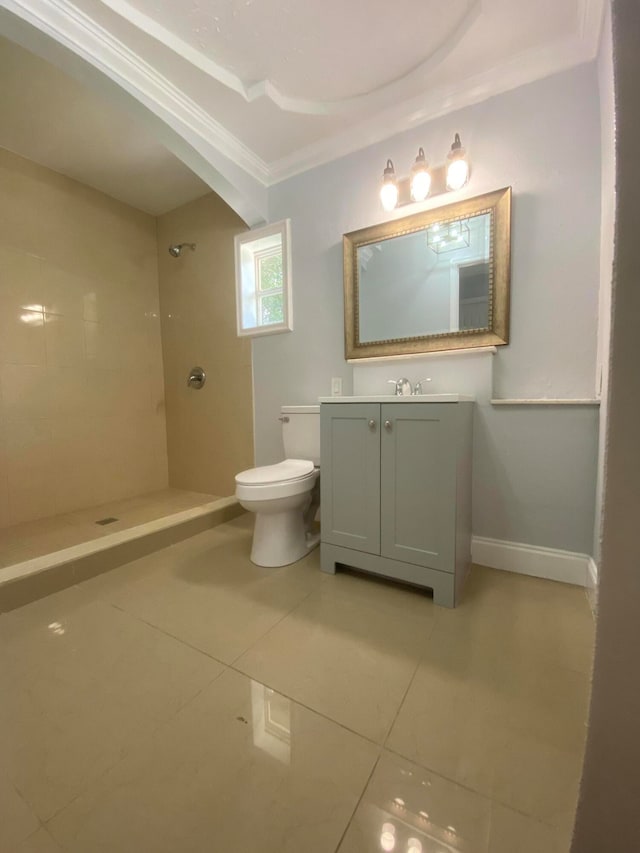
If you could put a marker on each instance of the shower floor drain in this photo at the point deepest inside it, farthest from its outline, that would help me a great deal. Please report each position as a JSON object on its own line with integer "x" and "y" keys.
{"x": 104, "y": 521}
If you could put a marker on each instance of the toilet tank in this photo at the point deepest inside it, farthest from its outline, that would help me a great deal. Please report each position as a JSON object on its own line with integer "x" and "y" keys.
{"x": 301, "y": 432}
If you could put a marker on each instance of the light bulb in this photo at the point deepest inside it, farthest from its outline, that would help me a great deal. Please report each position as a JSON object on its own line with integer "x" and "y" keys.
{"x": 457, "y": 174}
{"x": 420, "y": 178}
{"x": 458, "y": 168}
{"x": 420, "y": 185}
{"x": 389, "y": 196}
{"x": 389, "y": 188}
{"x": 414, "y": 845}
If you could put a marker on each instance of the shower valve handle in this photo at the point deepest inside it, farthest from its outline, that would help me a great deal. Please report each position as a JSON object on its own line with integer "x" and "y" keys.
{"x": 197, "y": 378}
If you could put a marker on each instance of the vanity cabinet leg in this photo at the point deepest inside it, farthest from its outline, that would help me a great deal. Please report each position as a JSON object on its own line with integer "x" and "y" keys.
{"x": 327, "y": 563}
{"x": 444, "y": 593}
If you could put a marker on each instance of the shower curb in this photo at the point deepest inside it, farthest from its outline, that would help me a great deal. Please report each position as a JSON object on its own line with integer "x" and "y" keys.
{"x": 33, "y": 579}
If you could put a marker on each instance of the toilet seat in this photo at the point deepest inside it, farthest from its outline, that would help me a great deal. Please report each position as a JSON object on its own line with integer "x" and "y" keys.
{"x": 268, "y": 482}
{"x": 290, "y": 469}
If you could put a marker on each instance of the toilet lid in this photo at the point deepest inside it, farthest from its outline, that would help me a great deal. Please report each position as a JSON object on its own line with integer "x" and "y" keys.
{"x": 290, "y": 469}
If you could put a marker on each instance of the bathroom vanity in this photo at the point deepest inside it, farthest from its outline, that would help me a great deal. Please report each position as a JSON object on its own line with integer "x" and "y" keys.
{"x": 396, "y": 488}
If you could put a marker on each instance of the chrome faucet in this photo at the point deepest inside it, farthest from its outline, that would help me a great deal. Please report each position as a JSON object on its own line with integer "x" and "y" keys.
{"x": 417, "y": 388}
{"x": 403, "y": 386}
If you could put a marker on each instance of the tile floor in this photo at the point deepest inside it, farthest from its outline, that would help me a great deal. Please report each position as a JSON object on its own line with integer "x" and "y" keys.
{"x": 37, "y": 538}
{"x": 192, "y": 702}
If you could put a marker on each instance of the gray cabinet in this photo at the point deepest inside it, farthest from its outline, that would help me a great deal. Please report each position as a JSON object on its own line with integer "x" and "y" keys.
{"x": 350, "y": 498}
{"x": 396, "y": 491}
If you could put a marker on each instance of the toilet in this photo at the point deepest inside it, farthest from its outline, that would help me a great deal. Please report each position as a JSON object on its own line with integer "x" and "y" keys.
{"x": 286, "y": 496}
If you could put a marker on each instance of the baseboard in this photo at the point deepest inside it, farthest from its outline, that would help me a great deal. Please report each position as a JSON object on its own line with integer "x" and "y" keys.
{"x": 551, "y": 563}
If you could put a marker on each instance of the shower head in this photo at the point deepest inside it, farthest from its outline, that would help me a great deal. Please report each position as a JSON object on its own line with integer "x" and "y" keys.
{"x": 176, "y": 250}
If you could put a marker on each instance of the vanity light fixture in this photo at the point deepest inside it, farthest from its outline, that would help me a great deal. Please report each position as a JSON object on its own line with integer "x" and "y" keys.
{"x": 389, "y": 188}
{"x": 423, "y": 180}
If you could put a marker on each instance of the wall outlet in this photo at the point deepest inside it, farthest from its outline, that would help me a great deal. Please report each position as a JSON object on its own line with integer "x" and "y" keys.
{"x": 336, "y": 386}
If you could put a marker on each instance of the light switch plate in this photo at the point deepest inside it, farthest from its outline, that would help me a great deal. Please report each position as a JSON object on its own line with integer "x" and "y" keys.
{"x": 336, "y": 386}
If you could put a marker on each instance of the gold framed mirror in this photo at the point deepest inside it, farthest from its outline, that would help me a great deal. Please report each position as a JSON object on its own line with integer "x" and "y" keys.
{"x": 436, "y": 280}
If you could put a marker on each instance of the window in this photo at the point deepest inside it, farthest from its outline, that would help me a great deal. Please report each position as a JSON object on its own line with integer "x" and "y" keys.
{"x": 263, "y": 287}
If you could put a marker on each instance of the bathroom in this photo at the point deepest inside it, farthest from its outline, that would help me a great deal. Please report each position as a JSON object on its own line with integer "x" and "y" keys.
{"x": 71, "y": 444}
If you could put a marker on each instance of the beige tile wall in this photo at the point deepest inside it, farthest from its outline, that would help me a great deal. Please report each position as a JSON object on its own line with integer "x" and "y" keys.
{"x": 81, "y": 388}
{"x": 209, "y": 432}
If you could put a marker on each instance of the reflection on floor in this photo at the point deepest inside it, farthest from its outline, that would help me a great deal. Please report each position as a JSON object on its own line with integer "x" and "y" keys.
{"x": 191, "y": 701}
{"x": 36, "y": 538}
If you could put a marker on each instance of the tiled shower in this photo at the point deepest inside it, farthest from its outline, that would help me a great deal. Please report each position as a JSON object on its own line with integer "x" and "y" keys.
{"x": 99, "y": 327}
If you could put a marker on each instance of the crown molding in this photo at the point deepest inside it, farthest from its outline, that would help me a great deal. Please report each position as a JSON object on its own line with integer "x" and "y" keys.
{"x": 526, "y": 68}
{"x": 72, "y": 28}
{"x": 265, "y": 88}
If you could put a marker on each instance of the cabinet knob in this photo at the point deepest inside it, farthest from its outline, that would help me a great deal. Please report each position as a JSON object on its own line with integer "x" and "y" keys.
{"x": 387, "y": 426}
{"x": 372, "y": 424}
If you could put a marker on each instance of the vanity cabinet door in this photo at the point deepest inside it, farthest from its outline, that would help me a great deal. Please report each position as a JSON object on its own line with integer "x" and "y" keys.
{"x": 418, "y": 483}
{"x": 350, "y": 475}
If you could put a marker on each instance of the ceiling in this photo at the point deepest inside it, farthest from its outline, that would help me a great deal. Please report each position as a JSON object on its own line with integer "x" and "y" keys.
{"x": 275, "y": 87}
{"x": 54, "y": 120}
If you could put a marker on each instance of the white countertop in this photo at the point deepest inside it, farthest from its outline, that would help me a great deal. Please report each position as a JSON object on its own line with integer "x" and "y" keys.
{"x": 392, "y": 398}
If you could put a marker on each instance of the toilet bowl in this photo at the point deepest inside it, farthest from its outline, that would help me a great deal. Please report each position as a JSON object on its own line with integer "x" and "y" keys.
{"x": 285, "y": 496}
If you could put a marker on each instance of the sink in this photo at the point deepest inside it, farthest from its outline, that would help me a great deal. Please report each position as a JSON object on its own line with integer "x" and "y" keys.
{"x": 391, "y": 398}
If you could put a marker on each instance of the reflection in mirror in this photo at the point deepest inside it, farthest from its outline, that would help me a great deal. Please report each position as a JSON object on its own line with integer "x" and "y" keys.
{"x": 436, "y": 280}
{"x": 440, "y": 279}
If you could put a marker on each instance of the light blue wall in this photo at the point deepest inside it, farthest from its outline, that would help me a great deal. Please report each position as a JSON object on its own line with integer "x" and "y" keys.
{"x": 534, "y": 470}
